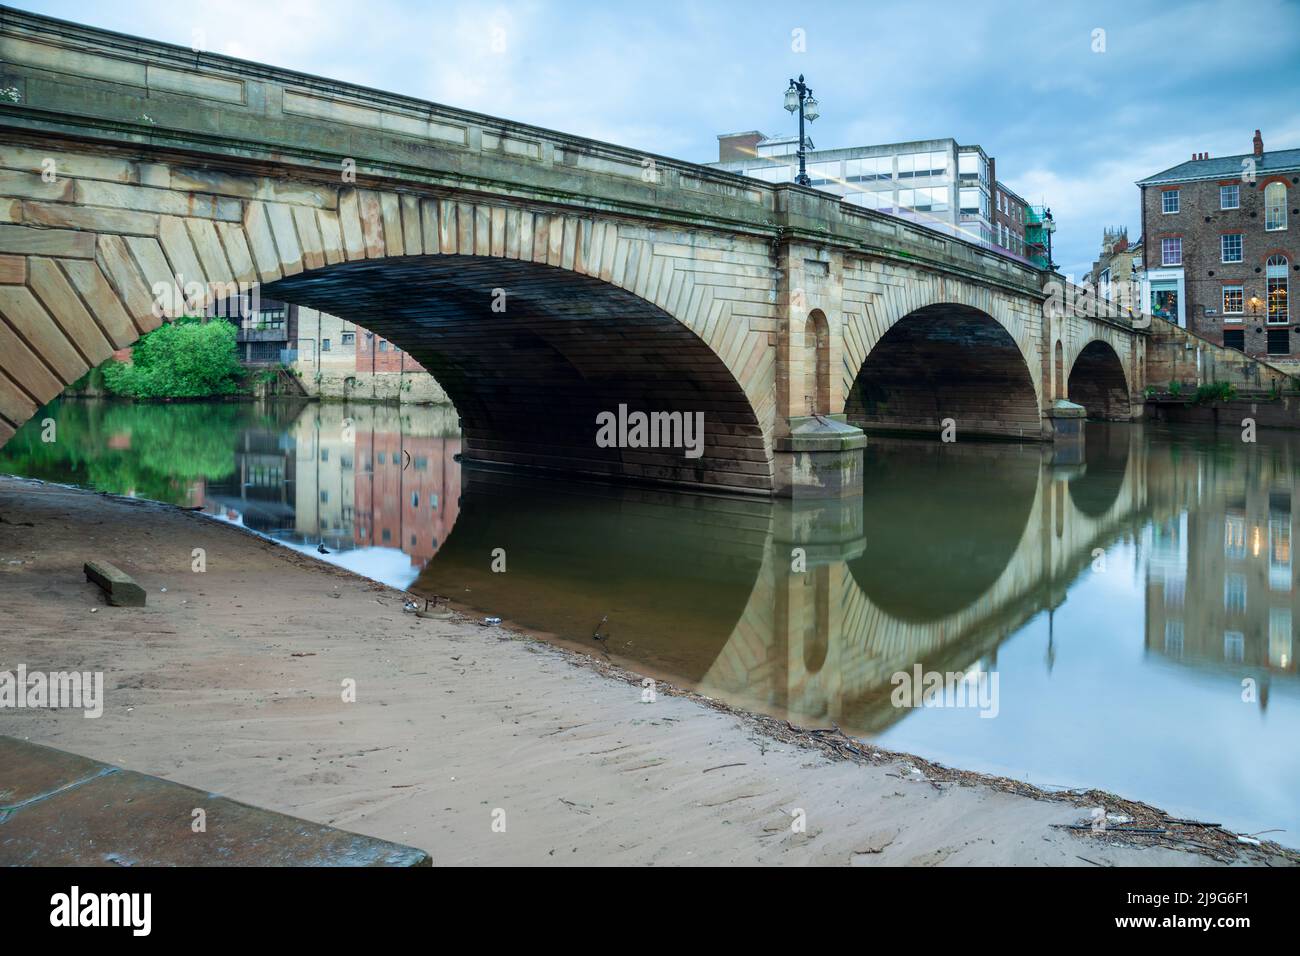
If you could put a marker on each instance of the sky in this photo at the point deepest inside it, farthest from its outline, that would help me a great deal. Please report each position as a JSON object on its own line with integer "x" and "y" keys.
{"x": 1073, "y": 116}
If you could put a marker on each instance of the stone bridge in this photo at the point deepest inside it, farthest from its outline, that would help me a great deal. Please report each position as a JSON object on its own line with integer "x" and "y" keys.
{"x": 544, "y": 279}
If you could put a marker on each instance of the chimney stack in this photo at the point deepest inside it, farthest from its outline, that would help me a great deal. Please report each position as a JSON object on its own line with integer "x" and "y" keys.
{"x": 1259, "y": 144}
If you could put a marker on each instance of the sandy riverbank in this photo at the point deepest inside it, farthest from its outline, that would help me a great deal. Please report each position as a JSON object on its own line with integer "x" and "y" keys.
{"x": 232, "y": 680}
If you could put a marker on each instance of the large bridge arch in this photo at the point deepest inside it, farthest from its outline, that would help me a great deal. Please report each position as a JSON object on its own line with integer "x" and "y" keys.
{"x": 1097, "y": 381}
{"x": 534, "y": 322}
{"x": 948, "y": 361}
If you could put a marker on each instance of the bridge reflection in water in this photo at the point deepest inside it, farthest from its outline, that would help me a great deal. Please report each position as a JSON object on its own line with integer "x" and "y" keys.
{"x": 1138, "y": 605}
{"x": 803, "y": 609}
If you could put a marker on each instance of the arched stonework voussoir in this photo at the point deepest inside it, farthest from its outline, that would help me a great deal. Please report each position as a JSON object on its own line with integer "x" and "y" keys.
{"x": 99, "y": 256}
{"x": 922, "y": 347}
{"x": 877, "y": 295}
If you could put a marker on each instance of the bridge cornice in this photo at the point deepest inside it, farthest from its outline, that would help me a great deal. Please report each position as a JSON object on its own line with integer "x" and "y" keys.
{"x": 144, "y": 96}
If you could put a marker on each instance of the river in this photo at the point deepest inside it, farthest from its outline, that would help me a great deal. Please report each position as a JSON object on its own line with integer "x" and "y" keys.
{"x": 1124, "y": 622}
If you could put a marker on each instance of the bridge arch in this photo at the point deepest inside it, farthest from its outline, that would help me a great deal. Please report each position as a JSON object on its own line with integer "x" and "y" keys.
{"x": 1098, "y": 383}
{"x": 948, "y": 360}
{"x": 533, "y": 322}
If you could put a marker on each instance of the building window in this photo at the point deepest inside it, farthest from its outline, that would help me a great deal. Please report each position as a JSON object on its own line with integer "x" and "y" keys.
{"x": 383, "y": 346}
{"x": 1276, "y": 289}
{"x": 349, "y": 338}
{"x": 270, "y": 318}
{"x": 1164, "y": 303}
{"x": 324, "y": 345}
{"x": 1234, "y": 536}
{"x": 1171, "y": 251}
{"x": 1230, "y": 247}
{"x": 1230, "y": 197}
{"x": 1169, "y": 201}
{"x": 1174, "y": 638}
{"x": 1279, "y": 636}
{"x": 1234, "y": 297}
{"x": 1274, "y": 207}
{"x": 1234, "y": 647}
{"x": 1234, "y": 593}
{"x": 1279, "y": 341}
{"x": 1234, "y": 339}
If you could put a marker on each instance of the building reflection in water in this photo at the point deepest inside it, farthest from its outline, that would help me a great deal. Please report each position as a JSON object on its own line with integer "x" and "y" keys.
{"x": 1220, "y": 575}
{"x": 368, "y": 482}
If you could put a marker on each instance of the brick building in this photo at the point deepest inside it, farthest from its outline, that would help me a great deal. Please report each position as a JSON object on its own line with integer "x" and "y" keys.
{"x": 336, "y": 358}
{"x": 1010, "y": 214}
{"x": 1221, "y": 250}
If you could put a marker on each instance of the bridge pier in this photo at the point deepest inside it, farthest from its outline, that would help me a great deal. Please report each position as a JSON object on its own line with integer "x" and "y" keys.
{"x": 816, "y": 453}
{"x": 1063, "y": 423}
{"x": 821, "y": 457}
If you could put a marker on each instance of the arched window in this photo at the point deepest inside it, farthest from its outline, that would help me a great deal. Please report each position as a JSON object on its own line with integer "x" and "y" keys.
{"x": 817, "y": 363}
{"x": 1274, "y": 206}
{"x": 1276, "y": 289}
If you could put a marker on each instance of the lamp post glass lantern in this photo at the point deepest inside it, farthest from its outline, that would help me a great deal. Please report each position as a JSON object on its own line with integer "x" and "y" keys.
{"x": 799, "y": 96}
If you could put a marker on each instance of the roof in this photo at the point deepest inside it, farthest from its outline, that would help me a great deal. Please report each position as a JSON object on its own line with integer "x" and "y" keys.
{"x": 1226, "y": 167}
{"x": 1012, "y": 193}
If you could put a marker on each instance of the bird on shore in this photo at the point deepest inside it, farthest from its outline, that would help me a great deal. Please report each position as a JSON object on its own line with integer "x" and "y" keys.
{"x": 602, "y": 638}
{"x": 322, "y": 549}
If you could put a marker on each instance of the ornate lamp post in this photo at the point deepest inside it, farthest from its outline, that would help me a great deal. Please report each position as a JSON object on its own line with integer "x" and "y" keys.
{"x": 1049, "y": 226}
{"x": 799, "y": 96}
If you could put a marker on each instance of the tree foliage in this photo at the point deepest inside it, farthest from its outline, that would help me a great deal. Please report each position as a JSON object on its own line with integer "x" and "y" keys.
{"x": 187, "y": 358}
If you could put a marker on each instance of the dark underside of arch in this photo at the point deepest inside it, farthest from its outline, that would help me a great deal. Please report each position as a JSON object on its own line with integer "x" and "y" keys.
{"x": 530, "y": 378}
{"x": 946, "y": 361}
{"x": 1097, "y": 383}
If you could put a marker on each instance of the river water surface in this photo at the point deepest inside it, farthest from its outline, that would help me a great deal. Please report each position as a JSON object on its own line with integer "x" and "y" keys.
{"x": 1133, "y": 611}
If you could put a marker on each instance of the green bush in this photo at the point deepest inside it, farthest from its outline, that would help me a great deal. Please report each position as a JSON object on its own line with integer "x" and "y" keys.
{"x": 187, "y": 358}
{"x": 1175, "y": 389}
{"x": 1215, "y": 392}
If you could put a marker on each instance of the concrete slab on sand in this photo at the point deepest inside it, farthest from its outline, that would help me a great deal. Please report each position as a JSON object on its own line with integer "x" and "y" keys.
{"x": 58, "y": 809}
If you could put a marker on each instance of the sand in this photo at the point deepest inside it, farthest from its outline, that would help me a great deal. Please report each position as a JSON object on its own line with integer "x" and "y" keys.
{"x": 477, "y": 744}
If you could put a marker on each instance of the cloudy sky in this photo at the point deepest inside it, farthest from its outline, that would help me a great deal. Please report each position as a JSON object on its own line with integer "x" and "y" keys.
{"x": 1072, "y": 121}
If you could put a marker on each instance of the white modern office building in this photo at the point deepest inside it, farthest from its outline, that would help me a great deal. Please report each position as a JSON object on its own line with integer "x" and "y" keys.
{"x": 935, "y": 182}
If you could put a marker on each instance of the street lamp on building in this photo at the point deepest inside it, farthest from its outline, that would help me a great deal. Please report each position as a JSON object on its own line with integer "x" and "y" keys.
{"x": 1255, "y": 308}
{"x": 799, "y": 96}
{"x": 1049, "y": 226}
